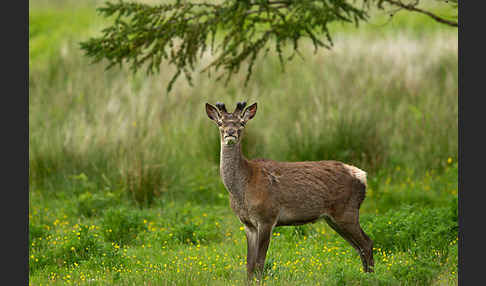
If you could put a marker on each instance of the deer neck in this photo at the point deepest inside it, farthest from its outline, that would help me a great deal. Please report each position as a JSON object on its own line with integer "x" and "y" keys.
{"x": 234, "y": 169}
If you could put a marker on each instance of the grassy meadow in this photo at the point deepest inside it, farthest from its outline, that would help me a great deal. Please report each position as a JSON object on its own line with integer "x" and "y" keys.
{"x": 124, "y": 185}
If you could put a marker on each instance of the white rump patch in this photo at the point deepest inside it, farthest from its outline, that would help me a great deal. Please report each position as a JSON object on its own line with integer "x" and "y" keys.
{"x": 357, "y": 173}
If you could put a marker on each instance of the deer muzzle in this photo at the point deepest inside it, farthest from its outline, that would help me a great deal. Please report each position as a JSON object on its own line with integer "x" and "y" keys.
{"x": 230, "y": 140}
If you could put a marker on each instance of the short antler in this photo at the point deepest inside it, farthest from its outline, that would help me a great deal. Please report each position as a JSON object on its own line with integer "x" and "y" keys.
{"x": 221, "y": 107}
{"x": 239, "y": 107}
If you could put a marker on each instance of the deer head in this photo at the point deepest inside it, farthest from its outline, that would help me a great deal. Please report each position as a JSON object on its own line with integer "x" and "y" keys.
{"x": 231, "y": 125}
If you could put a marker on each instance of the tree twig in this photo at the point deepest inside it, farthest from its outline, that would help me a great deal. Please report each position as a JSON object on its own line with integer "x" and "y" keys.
{"x": 415, "y": 9}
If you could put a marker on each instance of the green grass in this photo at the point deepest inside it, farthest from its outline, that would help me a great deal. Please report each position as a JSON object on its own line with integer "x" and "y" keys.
{"x": 124, "y": 179}
{"x": 191, "y": 243}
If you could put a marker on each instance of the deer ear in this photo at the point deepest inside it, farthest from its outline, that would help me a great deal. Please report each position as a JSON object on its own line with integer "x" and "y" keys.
{"x": 249, "y": 112}
{"x": 212, "y": 112}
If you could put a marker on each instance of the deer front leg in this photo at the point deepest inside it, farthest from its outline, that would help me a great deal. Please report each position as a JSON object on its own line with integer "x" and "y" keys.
{"x": 264, "y": 235}
{"x": 252, "y": 249}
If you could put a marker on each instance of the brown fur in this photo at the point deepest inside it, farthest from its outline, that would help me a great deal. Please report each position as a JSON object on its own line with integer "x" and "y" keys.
{"x": 266, "y": 193}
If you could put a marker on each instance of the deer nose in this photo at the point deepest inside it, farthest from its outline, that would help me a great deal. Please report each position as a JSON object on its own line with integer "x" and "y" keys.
{"x": 230, "y": 132}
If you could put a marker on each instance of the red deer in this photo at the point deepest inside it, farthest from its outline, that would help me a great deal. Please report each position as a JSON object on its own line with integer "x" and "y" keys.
{"x": 265, "y": 193}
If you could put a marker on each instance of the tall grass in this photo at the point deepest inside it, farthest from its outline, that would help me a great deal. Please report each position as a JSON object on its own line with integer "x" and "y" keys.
{"x": 381, "y": 104}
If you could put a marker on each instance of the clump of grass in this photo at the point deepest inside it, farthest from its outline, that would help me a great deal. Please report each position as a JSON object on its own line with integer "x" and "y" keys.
{"x": 143, "y": 182}
{"x": 81, "y": 245}
{"x": 121, "y": 225}
{"x": 90, "y": 204}
{"x": 188, "y": 233}
{"x": 352, "y": 140}
{"x": 36, "y": 231}
{"x": 197, "y": 233}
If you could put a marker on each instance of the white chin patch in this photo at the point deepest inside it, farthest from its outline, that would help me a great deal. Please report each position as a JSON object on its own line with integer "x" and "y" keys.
{"x": 230, "y": 140}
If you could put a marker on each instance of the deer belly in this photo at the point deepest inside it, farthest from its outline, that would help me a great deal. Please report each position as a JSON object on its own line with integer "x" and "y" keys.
{"x": 297, "y": 216}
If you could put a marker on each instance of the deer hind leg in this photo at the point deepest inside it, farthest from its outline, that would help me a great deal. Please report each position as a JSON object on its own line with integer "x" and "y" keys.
{"x": 349, "y": 238}
{"x": 352, "y": 232}
{"x": 368, "y": 248}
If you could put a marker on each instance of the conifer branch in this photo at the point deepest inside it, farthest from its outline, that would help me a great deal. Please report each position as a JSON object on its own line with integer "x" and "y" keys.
{"x": 234, "y": 31}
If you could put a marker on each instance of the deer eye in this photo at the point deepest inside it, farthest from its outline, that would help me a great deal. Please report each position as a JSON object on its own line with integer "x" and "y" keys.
{"x": 242, "y": 123}
{"x": 219, "y": 123}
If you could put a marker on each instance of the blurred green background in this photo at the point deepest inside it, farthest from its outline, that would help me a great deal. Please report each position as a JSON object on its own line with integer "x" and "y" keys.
{"x": 124, "y": 185}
